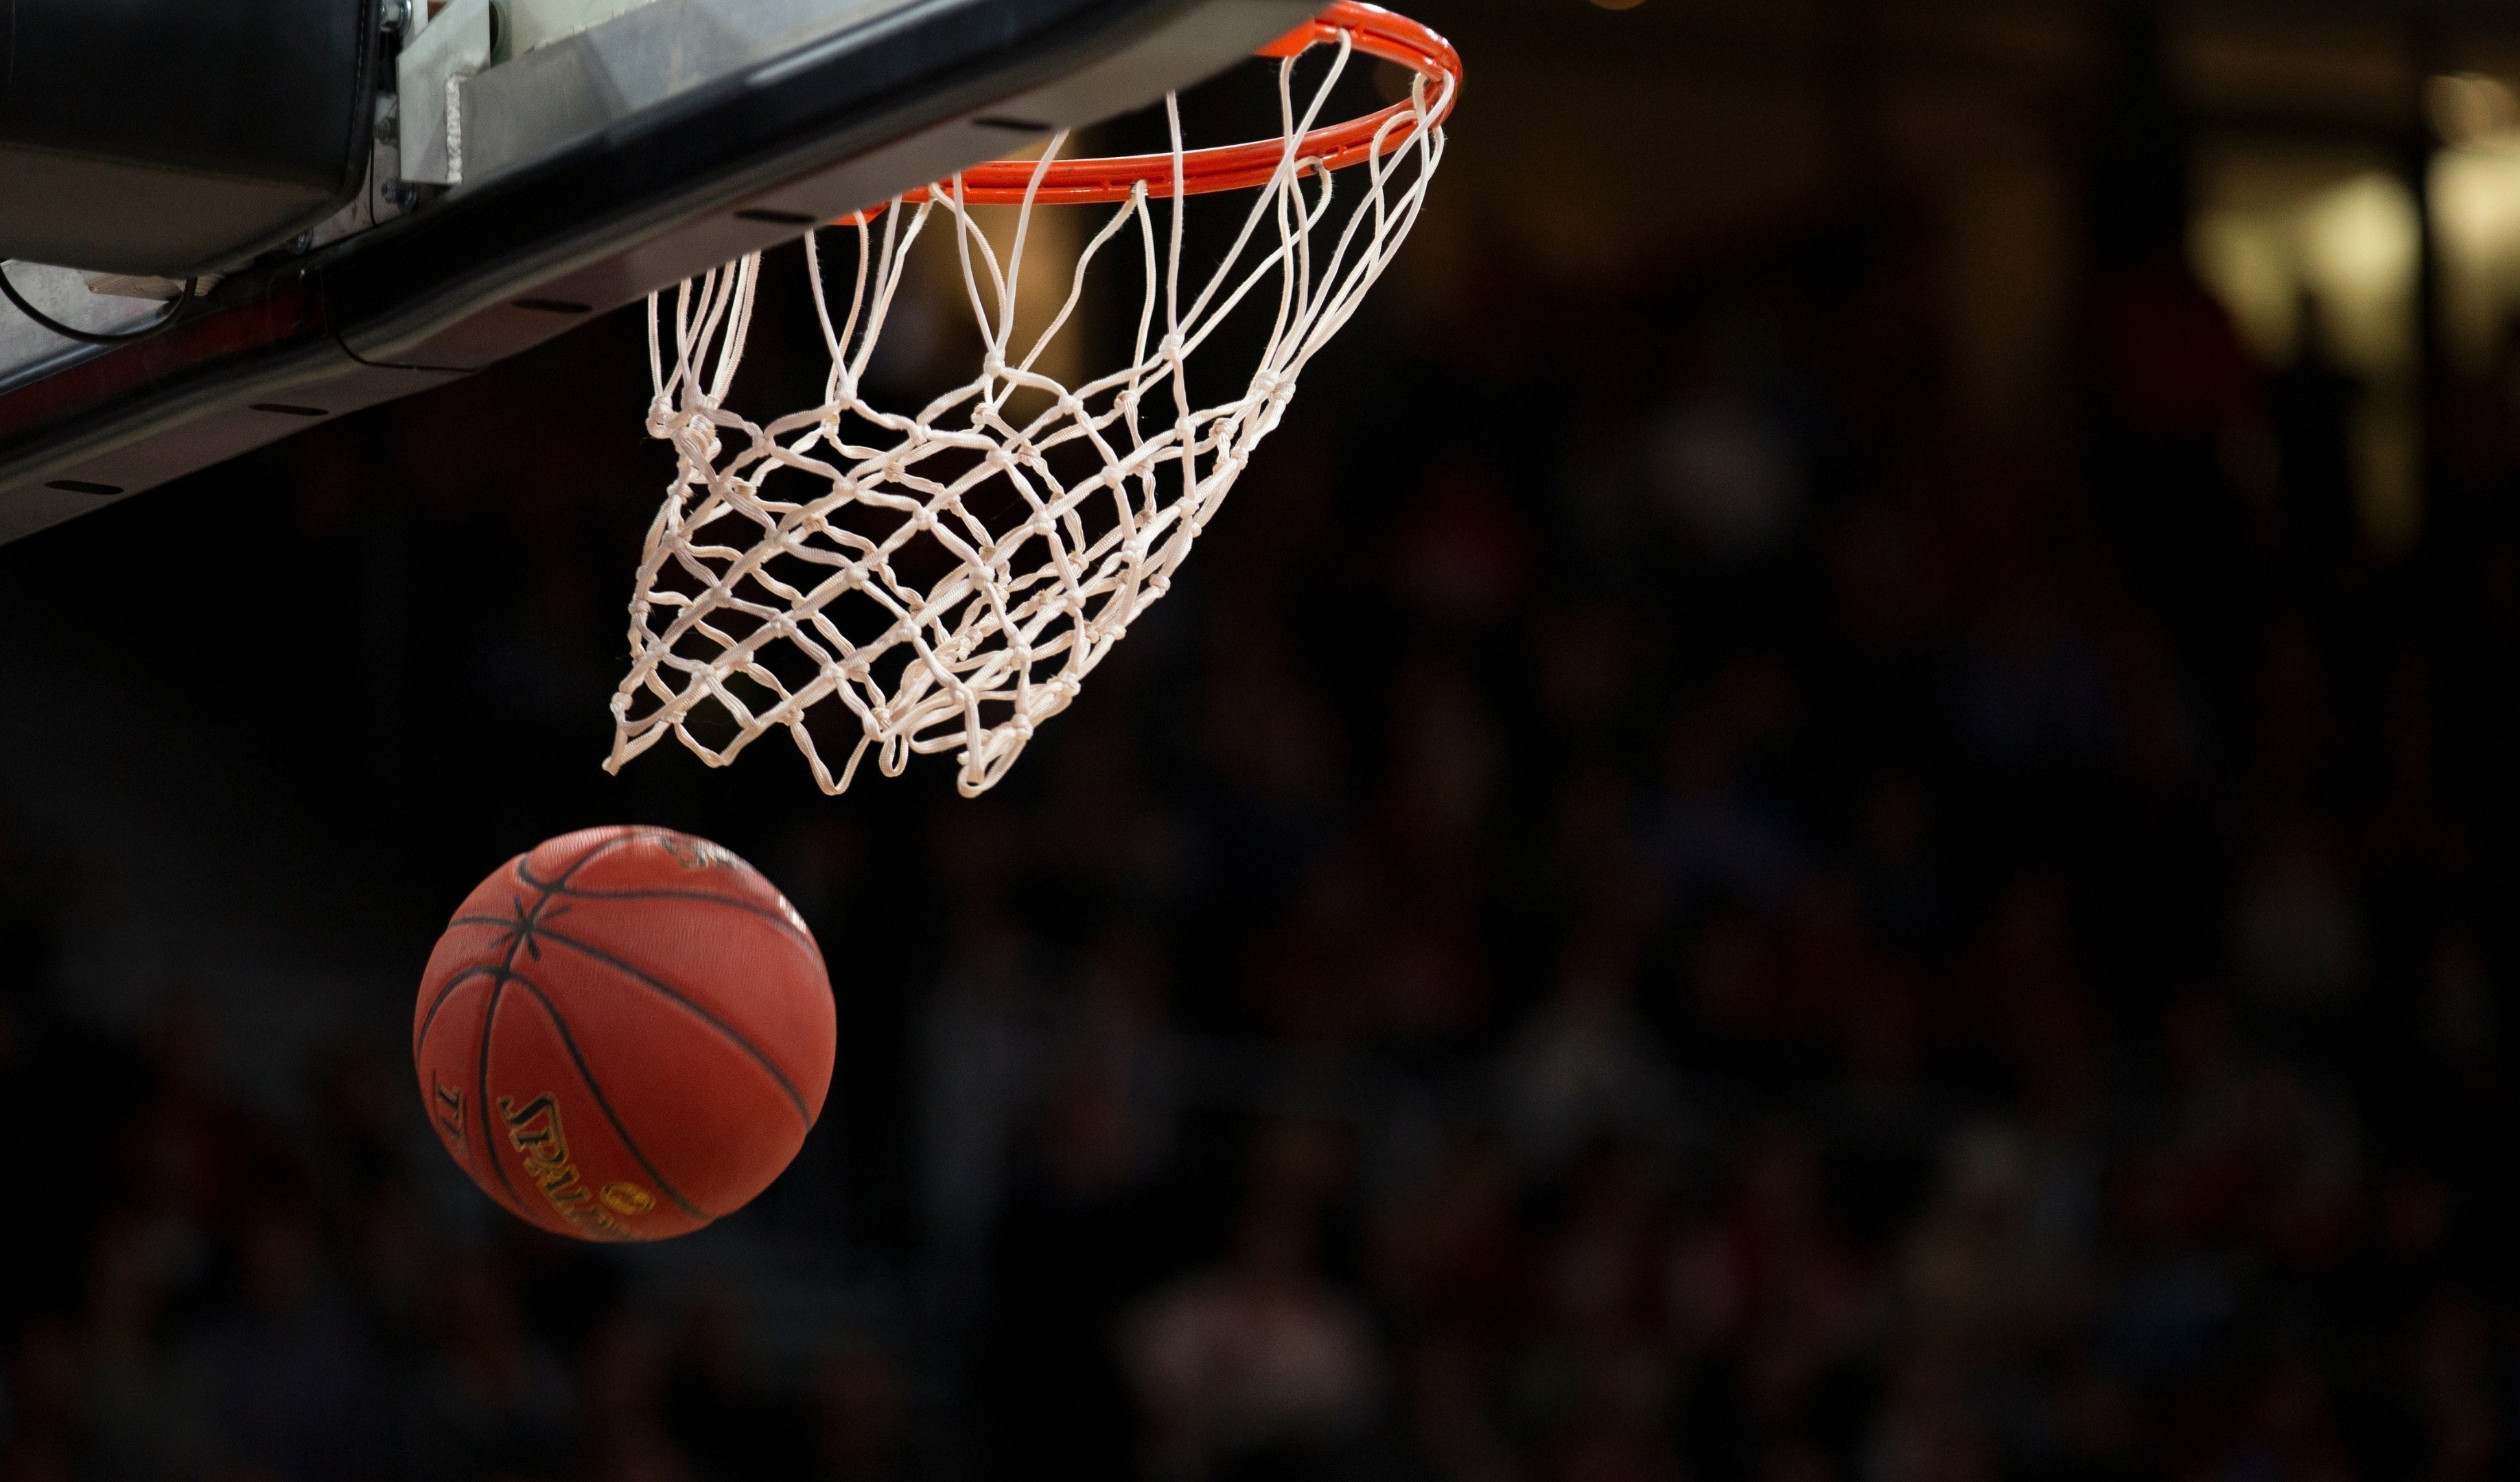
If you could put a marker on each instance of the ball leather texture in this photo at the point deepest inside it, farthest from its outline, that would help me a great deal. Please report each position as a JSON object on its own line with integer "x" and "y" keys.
{"x": 625, "y": 1034}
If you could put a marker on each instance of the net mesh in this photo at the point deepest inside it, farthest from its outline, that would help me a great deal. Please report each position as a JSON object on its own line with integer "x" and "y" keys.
{"x": 950, "y": 574}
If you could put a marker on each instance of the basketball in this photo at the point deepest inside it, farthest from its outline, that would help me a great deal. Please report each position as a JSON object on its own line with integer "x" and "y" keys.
{"x": 625, "y": 1034}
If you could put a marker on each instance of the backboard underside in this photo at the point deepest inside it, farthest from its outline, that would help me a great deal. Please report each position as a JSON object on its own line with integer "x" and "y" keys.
{"x": 585, "y": 172}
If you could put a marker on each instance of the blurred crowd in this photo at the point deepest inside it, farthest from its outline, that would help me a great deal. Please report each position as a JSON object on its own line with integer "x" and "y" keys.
{"x": 1657, "y": 906}
{"x": 193, "y": 1292}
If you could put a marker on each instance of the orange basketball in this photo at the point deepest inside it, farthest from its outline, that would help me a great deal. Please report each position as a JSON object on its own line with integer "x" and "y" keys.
{"x": 625, "y": 1034}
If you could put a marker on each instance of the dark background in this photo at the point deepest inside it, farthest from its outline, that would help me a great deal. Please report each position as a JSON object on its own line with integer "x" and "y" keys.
{"x": 1835, "y": 809}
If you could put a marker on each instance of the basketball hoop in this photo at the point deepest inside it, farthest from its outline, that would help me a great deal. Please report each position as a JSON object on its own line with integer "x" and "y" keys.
{"x": 950, "y": 576}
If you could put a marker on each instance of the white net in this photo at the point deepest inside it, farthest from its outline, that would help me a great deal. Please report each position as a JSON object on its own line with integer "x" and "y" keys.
{"x": 951, "y": 574}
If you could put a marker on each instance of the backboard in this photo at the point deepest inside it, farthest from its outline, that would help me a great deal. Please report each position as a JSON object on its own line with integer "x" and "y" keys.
{"x": 533, "y": 163}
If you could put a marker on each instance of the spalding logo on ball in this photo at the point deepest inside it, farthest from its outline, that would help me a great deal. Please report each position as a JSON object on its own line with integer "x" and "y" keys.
{"x": 625, "y": 1034}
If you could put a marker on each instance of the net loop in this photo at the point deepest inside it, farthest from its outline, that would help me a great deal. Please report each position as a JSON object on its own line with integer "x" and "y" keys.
{"x": 948, "y": 576}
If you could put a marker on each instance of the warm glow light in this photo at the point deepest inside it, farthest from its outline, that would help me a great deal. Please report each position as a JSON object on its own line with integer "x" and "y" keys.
{"x": 2470, "y": 107}
{"x": 2275, "y": 228}
{"x": 2358, "y": 247}
{"x": 2476, "y": 218}
{"x": 2252, "y": 273}
{"x": 2349, "y": 243}
{"x": 1618, "y": 5}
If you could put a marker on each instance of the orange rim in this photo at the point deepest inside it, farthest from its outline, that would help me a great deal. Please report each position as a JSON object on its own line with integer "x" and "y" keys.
{"x": 1376, "y": 31}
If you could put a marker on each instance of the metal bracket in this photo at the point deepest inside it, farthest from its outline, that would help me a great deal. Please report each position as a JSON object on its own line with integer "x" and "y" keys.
{"x": 457, "y": 43}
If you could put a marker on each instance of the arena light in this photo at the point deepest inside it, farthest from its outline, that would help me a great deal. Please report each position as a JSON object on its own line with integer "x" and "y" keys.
{"x": 2468, "y": 108}
{"x": 2360, "y": 244}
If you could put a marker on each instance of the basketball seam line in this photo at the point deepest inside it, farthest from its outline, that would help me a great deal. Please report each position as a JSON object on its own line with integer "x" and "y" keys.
{"x": 489, "y": 1023}
{"x": 629, "y": 832}
{"x": 737, "y": 902}
{"x": 446, "y": 990}
{"x": 604, "y": 1104}
{"x": 428, "y": 1021}
{"x": 583, "y": 859}
{"x": 560, "y": 886}
{"x": 510, "y": 924}
{"x": 711, "y": 1019}
{"x": 481, "y": 1114}
{"x": 800, "y": 938}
